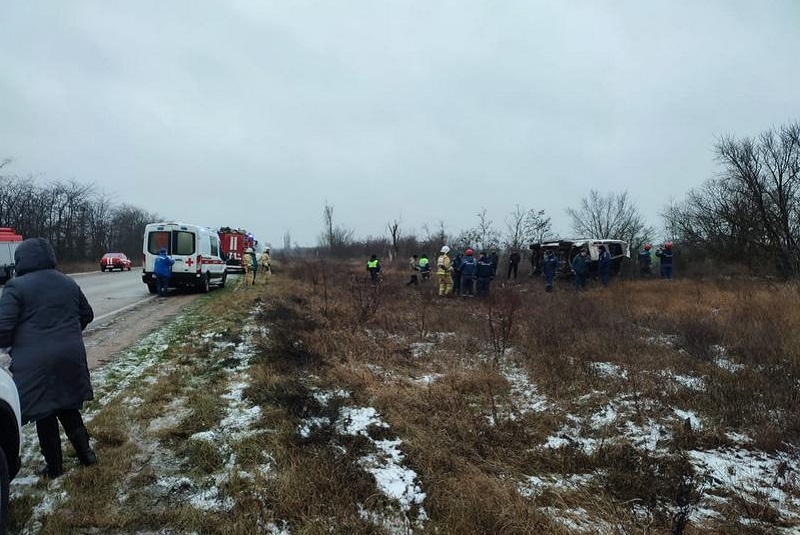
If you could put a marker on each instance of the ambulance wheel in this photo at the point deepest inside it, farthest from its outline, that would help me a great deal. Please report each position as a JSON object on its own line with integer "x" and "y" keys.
{"x": 223, "y": 280}
{"x": 205, "y": 284}
{"x": 152, "y": 288}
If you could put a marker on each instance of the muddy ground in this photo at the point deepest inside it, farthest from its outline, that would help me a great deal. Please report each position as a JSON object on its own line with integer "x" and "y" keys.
{"x": 105, "y": 339}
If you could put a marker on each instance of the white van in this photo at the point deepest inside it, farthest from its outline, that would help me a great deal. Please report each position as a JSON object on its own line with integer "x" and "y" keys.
{"x": 196, "y": 252}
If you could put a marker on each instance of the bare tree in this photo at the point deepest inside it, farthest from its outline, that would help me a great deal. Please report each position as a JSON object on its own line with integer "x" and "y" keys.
{"x": 395, "y": 234}
{"x": 752, "y": 209}
{"x": 335, "y": 238}
{"x": 613, "y": 216}
{"x": 525, "y": 227}
{"x": 487, "y": 235}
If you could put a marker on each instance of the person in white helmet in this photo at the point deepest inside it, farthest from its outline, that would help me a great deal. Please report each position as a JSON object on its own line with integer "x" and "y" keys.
{"x": 443, "y": 269}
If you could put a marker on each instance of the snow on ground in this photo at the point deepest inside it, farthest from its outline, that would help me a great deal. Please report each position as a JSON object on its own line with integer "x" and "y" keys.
{"x": 609, "y": 369}
{"x": 524, "y": 393}
{"x": 384, "y": 463}
{"x": 759, "y": 476}
{"x": 688, "y": 381}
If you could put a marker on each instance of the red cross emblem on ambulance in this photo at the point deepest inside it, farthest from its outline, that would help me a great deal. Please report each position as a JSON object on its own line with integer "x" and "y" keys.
{"x": 189, "y": 262}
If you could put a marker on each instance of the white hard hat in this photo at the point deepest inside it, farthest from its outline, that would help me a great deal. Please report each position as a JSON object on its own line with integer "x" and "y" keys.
{"x": 248, "y": 250}
{"x": 445, "y": 249}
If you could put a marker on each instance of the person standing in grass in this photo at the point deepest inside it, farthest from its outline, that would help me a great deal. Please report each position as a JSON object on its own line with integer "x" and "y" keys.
{"x": 604, "y": 266}
{"x": 484, "y": 273}
{"x": 42, "y": 315}
{"x": 645, "y": 261}
{"x": 264, "y": 263}
{"x": 455, "y": 274}
{"x": 580, "y": 266}
{"x": 664, "y": 254}
{"x": 443, "y": 269}
{"x": 513, "y": 263}
{"x": 549, "y": 267}
{"x": 494, "y": 258}
{"x": 413, "y": 266}
{"x": 374, "y": 269}
{"x": 468, "y": 274}
{"x": 250, "y": 265}
{"x": 424, "y": 267}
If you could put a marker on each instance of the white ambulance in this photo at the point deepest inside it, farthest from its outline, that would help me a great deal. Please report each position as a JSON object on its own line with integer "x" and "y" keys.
{"x": 195, "y": 250}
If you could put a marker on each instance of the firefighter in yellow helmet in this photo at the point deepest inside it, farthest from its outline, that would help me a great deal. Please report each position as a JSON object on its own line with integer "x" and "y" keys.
{"x": 443, "y": 269}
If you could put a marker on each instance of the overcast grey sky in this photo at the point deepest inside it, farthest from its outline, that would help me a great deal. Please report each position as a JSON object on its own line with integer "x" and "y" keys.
{"x": 254, "y": 113}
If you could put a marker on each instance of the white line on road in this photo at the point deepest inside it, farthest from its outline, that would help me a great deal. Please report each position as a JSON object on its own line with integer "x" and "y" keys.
{"x": 126, "y": 307}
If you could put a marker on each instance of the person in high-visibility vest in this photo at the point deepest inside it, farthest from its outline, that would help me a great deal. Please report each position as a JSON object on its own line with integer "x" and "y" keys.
{"x": 374, "y": 268}
{"x": 444, "y": 269}
{"x": 424, "y": 267}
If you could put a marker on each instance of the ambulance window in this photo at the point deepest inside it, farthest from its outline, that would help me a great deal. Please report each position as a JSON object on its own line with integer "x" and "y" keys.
{"x": 183, "y": 243}
{"x": 214, "y": 246}
{"x": 157, "y": 240}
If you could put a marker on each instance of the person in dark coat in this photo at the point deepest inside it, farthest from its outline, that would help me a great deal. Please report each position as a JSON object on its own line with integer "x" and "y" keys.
{"x": 162, "y": 268}
{"x": 580, "y": 265}
{"x": 645, "y": 261}
{"x": 549, "y": 267}
{"x": 513, "y": 263}
{"x": 495, "y": 260}
{"x": 456, "y": 274}
{"x": 42, "y": 315}
{"x": 467, "y": 274}
{"x": 484, "y": 273}
{"x": 604, "y": 266}
{"x": 664, "y": 254}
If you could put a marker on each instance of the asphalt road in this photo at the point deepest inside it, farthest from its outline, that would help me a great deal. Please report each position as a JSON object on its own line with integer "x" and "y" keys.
{"x": 113, "y": 291}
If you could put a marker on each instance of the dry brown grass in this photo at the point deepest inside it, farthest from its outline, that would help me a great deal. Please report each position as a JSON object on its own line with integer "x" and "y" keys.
{"x": 440, "y": 372}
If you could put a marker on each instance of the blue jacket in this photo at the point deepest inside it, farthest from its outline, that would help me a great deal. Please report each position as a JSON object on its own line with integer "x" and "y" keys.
{"x": 485, "y": 268}
{"x": 549, "y": 265}
{"x": 644, "y": 258}
{"x": 163, "y": 265}
{"x": 580, "y": 265}
{"x": 604, "y": 262}
{"x": 468, "y": 266}
{"x": 665, "y": 255}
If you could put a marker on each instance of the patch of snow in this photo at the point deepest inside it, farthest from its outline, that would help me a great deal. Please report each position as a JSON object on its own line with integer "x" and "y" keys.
{"x": 523, "y": 392}
{"x": 324, "y": 397}
{"x": 420, "y": 349}
{"x": 728, "y": 365}
{"x": 357, "y": 420}
{"x": 309, "y": 424}
{"x": 426, "y": 380}
{"x": 534, "y": 486}
{"x": 694, "y": 420}
{"x": 385, "y": 464}
{"x": 609, "y": 369}
{"x": 209, "y": 500}
{"x": 646, "y": 436}
{"x": 776, "y": 477}
{"x": 689, "y": 381}
{"x": 606, "y": 416}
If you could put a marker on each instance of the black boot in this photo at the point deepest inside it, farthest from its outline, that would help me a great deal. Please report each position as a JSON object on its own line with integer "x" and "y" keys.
{"x": 80, "y": 441}
{"x": 51, "y": 449}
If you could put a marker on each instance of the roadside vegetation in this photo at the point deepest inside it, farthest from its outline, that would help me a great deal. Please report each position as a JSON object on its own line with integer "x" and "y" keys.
{"x": 317, "y": 403}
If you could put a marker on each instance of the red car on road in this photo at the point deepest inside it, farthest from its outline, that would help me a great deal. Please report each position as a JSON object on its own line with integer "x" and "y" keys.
{"x": 112, "y": 261}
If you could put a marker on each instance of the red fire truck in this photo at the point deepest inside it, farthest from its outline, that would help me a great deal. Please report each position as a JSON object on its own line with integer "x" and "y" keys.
{"x": 233, "y": 243}
{"x": 8, "y": 244}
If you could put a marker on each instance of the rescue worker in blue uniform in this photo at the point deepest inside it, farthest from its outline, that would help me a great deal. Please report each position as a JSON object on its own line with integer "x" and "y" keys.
{"x": 467, "y": 274}
{"x": 664, "y": 254}
{"x": 549, "y": 267}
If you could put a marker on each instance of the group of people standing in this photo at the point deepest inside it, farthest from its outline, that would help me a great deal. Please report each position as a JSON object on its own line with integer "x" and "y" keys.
{"x": 664, "y": 255}
{"x": 253, "y": 265}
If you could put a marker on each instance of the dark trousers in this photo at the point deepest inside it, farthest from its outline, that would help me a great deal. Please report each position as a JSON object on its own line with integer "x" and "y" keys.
{"x": 466, "y": 285}
{"x": 456, "y": 276}
{"x": 50, "y": 438}
{"x": 162, "y": 282}
{"x": 512, "y": 268}
{"x": 413, "y": 280}
{"x": 604, "y": 277}
{"x": 548, "y": 281}
{"x": 580, "y": 281}
{"x": 482, "y": 284}
{"x": 666, "y": 271}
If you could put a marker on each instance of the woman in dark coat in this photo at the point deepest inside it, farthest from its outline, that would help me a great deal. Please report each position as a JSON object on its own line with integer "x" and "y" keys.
{"x": 42, "y": 315}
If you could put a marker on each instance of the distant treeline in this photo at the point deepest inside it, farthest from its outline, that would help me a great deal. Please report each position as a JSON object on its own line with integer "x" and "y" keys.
{"x": 80, "y": 222}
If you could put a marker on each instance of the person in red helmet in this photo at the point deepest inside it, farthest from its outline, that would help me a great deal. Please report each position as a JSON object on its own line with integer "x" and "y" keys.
{"x": 664, "y": 254}
{"x": 468, "y": 266}
{"x": 645, "y": 261}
